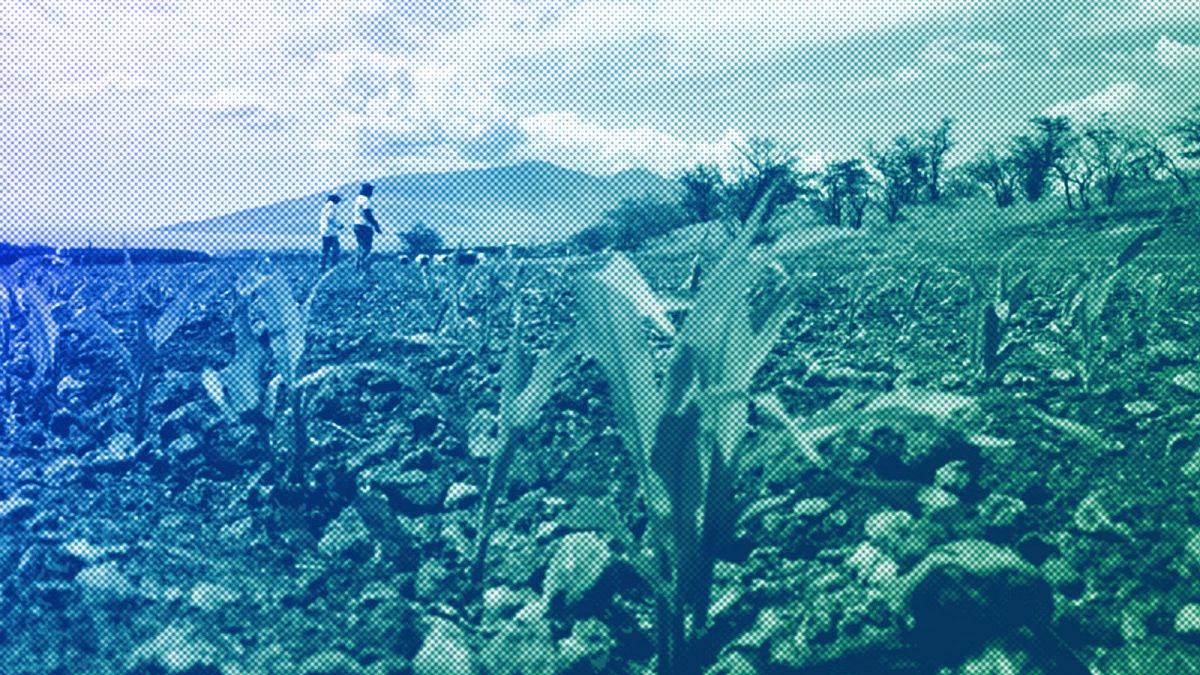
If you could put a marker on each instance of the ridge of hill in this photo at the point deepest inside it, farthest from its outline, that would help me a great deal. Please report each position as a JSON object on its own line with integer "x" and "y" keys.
{"x": 530, "y": 202}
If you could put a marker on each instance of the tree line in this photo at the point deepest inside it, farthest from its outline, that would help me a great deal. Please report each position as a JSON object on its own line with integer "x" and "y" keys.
{"x": 1086, "y": 163}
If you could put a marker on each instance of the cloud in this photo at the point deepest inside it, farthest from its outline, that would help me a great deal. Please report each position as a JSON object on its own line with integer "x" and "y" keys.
{"x": 951, "y": 51}
{"x": 1121, "y": 97}
{"x": 1176, "y": 55}
{"x": 235, "y": 100}
{"x": 568, "y": 140}
{"x": 898, "y": 78}
{"x": 495, "y": 145}
{"x": 114, "y": 82}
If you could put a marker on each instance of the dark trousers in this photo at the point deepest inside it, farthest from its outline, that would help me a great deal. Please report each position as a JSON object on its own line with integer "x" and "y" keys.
{"x": 365, "y": 235}
{"x": 331, "y": 248}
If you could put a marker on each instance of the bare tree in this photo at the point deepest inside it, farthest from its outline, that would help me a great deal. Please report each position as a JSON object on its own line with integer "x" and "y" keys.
{"x": 892, "y": 183}
{"x": 702, "y": 187}
{"x": 765, "y": 166}
{"x": 1187, "y": 130}
{"x": 937, "y": 143}
{"x": 1111, "y": 154}
{"x": 997, "y": 174}
{"x": 1151, "y": 157}
{"x": 1036, "y": 155}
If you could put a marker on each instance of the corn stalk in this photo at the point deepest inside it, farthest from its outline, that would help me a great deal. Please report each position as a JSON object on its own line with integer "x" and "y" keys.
{"x": 526, "y": 384}
{"x": 1080, "y": 320}
{"x": 996, "y": 312}
{"x": 687, "y": 434}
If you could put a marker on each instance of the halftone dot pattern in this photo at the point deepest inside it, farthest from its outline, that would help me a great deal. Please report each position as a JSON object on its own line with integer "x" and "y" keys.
{"x": 672, "y": 337}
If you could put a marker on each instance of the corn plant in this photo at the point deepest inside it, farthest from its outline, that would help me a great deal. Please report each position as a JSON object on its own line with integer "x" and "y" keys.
{"x": 526, "y": 383}
{"x": 687, "y": 432}
{"x": 5, "y": 349}
{"x": 269, "y": 297}
{"x": 239, "y": 389}
{"x": 996, "y": 312}
{"x": 150, "y": 333}
{"x": 1080, "y": 319}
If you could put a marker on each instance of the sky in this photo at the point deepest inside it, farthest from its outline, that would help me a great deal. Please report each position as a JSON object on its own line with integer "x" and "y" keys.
{"x": 122, "y": 115}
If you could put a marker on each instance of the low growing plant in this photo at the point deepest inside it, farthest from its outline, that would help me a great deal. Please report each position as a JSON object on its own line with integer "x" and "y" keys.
{"x": 286, "y": 323}
{"x": 1080, "y": 320}
{"x": 996, "y": 311}
{"x": 688, "y": 430}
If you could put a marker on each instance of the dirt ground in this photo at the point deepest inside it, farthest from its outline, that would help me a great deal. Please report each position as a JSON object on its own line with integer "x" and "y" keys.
{"x": 188, "y": 553}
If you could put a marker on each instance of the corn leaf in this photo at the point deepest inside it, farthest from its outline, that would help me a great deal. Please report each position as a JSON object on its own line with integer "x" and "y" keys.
{"x": 286, "y": 326}
{"x": 540, "y": 384}
{"x": 610, "y": 329}
{"x": 804, "y": 439}
{"x": 215, "y": 386}
{"x": 517, "y": 368}
{"x": 90, "y": 321}
{"x": 176, "y": 312}
{"x": 240, "y": 386}
{"x": 622, "y": 276}
{"x": 43, "y": 338}
{"x": 1135, "y": 247}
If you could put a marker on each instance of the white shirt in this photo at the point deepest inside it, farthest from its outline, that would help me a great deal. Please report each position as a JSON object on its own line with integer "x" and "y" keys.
{"x": 330, "y": 227}
{"x": 361, "y": 203}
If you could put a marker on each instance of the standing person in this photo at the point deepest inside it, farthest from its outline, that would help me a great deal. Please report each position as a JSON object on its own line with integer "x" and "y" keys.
{"x": 365, "y": 226}
{"x": 331, "y": 231}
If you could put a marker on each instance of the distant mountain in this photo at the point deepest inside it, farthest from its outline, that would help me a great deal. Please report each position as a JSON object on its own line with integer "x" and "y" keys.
{"x": 531, "y": 202}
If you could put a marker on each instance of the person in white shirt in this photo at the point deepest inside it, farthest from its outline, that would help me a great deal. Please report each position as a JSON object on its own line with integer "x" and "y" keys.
{"x": 365, "y": 226}
{"x": 331, "y": 231}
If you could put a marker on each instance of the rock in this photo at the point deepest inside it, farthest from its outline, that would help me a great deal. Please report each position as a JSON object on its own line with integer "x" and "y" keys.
{"x": 587, "y": 649}
{"x": 577, "y": 564}
{"x": 67, "y": 386}
{"x": 61, "y": 423}
{"x": 935, "y": 499}
{"x": 952, "y": 380}
{"x": 329, "y": 662}
{"x": 188, "y": 418}
{"x": 888, "y": 527}
{"x": 412, "y": 493}
{"x": 1000, "y": 511}
{"x": 105, "y": 582}
{"x": 431, "y": 580}
{"x": 461, "y": 496}
{"x": 1188, "y": 381}
{"x": 210, "y": 597}
{"x": 178, "y": 649}
{"x": 445, "y": 651}
{"x": 90, "y": 554}
{"x": 1187, "y": 621}
{"x": 1167, "y": 353}
{"x": 522, "y": 648}
{"x": 599, "y": 514}
{"x": 119, "y": 454}
{"x": 183, "y": 449}
{"x": 953, "y": 477}
{"x": 1141, "y": 408}
{"x": 810, "y": 508}
{"x": 238, "y": 529}
{"x": 1091, "y": 517}
{"x": 1062, "y": 376}
{"x": 347, "y": 536}
{"x": 1062, "y": 577}
{"x": 17, "y": 509}
{"x": 502, "y": 602}
{"x": 62, "y": 471}
{"x": 872, "y": 565}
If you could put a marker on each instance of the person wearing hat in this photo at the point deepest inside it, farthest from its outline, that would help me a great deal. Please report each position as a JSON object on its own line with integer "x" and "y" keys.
{"x": 365, "y": 226}
{"x": 331, "y": 231}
